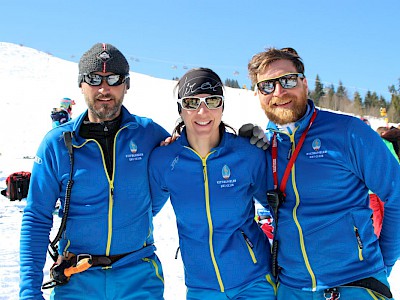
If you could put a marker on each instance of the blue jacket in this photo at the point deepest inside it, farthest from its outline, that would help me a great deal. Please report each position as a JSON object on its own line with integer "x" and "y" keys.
{"x": 222, "y": 246}
{"x": 107, "y": 216}
{"x": 325, "y": 231}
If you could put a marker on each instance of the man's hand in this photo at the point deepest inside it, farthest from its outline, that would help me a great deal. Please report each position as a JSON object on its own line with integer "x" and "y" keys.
{"x": 256, "y": 134}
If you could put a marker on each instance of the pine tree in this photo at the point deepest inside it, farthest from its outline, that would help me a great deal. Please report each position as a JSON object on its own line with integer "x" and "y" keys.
{"x": 368, "y": 100}
{"x": 341, "y": 91}
{"x": 318, "y": 91}
{"x": 357, "y": 103}
{"x": 233, "y": 83}
{"x": 382, "y": 102}
{"x": 394, "y": 103}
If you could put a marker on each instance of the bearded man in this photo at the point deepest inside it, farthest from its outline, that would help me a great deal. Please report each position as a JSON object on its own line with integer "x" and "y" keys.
{"x": 324, "y": 163}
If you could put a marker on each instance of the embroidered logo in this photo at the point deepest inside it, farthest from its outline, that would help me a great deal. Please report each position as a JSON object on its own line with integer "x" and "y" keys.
{"x": 226, "y": 172}
{"x": 133, "y": 148}
{"x": 317, "y": 153}
{"x": 316, "y": 144}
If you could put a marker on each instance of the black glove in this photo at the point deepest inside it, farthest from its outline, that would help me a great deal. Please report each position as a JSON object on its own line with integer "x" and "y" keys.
{"x": 256, "y": 134}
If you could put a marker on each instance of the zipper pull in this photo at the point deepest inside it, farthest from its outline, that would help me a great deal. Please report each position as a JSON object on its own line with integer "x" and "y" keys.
{"x": 289, "y": 153}
{"x": 359, "y": 242}
{"x": 247, "y": 240}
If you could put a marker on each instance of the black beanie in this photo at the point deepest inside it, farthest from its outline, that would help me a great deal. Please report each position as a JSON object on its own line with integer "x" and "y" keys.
{"x": 105, "y": 58}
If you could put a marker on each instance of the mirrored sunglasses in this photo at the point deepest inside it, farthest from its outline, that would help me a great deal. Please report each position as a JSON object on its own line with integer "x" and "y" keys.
{"x": 193, "y": 103}
{"x": 287, "y": 81}
{"x": 112, "y": 79}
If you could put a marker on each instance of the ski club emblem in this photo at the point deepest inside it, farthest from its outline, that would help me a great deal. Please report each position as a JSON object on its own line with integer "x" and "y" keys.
{"x": 227, "y": 182}
{"x": 316, "y": 144}
{"x": 133, "y": 147}
{"x": 134, "y": 155}
{"x": 226, "y": 172}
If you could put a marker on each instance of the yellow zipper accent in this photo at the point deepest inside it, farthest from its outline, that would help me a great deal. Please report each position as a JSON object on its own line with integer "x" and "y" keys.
{"x": 359, "y": 244}
{"x": 253, "y": 257}
{"x": 248, "y": 244}
{"x": 155, "y": 267}
{"x": 111, "y": 188}
{"x": 296, "y": 221}
{"x": 111, "y": 192}
{"x": 375, "y": 297}
{"x": 110, "y": 217}
{"x": 209, "y": 218}
{"x": 271, "y": 282}
{"x": 210, "y": 225}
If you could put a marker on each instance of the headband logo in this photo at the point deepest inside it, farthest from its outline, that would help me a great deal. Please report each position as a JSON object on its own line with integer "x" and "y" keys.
{"x": 191, "y": 89}
{"x": 104, "y": 56}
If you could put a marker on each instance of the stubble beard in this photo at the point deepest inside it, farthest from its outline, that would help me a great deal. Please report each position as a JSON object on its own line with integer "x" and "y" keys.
{"x": 105, "y": 111}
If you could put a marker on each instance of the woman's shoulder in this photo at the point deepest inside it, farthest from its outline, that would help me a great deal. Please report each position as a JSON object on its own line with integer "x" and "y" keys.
{"x": 242, "y": 144}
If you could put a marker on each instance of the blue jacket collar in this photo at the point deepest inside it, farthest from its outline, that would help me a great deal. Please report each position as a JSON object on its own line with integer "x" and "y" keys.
{"x": 127, "y": 120}
{"x": 184, "y": 142}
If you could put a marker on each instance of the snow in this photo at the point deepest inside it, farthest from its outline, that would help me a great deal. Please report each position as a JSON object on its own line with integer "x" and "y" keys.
{"x": 33, "y": 83}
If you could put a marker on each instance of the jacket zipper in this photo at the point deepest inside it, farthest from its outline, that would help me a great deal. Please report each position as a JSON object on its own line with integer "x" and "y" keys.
{"x": 294, "y": 213}
{"x": 250, "y": 247}
{"x": 209, "y": 218}
{"x": 359, "y": 244}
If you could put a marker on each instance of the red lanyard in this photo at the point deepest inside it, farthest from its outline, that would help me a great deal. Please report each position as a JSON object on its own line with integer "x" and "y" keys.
{"x": 292, "y": 159}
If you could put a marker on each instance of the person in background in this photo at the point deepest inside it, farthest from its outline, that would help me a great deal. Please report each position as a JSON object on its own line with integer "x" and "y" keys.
{"x": 392, "y": 135}
{"x": 62, "y": 114}
{"x": 376, "y": 204}
{"x": 324, "y": 165}
{"x": 107, "y": 244}
{"x": 66, "y": 103}
{"x": 212, "y": 177}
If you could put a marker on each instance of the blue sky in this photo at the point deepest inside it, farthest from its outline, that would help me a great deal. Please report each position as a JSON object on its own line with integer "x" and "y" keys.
{"x": 356, "y": 42}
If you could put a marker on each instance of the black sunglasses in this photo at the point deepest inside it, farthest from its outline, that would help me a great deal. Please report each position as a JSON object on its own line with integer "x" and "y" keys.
{"x": 96, "y": 79}
{"x": 287, "y": 81}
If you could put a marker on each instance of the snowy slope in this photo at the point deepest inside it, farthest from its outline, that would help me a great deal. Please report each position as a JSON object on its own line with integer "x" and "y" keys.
{"x": 32, "y": 83}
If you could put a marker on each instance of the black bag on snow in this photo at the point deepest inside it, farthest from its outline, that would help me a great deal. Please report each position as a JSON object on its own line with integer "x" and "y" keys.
{"x": 17, "y": 185}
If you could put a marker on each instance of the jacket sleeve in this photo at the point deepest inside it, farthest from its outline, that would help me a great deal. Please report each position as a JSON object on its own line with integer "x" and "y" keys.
{"x": 380, "y": 171}
{"x": 159, "y": 191}
{"x": 259, "y": 176}
{"x": 37, "y": 222}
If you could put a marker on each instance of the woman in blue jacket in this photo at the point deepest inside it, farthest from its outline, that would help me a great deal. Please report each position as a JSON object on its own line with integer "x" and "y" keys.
{"x": 212, "y": 178}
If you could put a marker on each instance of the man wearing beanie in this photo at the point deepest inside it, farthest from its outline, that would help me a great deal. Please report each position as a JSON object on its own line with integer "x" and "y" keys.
{"x": 97, "y": 166}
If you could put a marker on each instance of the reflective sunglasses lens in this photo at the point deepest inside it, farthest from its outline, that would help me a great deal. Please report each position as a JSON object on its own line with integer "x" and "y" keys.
{"x": 266, "y": 87}
{"x": 288, "y": 81}
{"x": 93, "y": 79}
{"x": 96, "y": 79}
{"x": 213, "y": 102}
{"x": 190, "y": 103}
{"x": 193, "y": 103}
{"x": 114, "y": 79}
